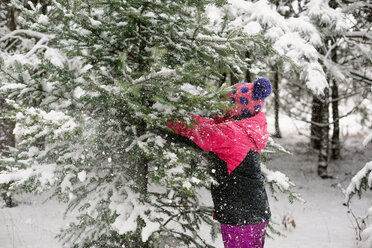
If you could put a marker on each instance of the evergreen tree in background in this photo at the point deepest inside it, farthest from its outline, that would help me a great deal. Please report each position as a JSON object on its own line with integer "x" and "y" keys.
{"x": 339, "y": 30}
{"x": 342, "y": 58}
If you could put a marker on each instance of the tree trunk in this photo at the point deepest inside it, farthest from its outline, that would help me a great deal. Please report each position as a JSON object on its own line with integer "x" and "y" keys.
{"x": 9, "y": 203}
{"x": 233, "y": 79}
{"x": 335, "y": 143}
{"x": 44, "y": 4}
{"x": 142, "y": 169}
{"x": 316, "y": 117}
{"x": 336, "y": 125}
{"x": 6, "y": 128}
{"x": 324, "y": 137}
{"x": 277, "y": 133}
{"x": 142, "y": 177}
{"x": 6, "y": 139}
{"x": 224, "y": 79}
{"x": 248, "y": 77}
{"x": 11, "y": 24}
{"x": 333, "y": 4}
{"x": 8, "y": 18}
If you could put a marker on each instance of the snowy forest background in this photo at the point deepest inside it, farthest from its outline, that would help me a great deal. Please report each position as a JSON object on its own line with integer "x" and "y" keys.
{"x": 87, "y": 86}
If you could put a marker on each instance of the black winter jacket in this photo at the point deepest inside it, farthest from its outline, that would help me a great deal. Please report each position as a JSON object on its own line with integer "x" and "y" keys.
{"x": 240, "y": 198}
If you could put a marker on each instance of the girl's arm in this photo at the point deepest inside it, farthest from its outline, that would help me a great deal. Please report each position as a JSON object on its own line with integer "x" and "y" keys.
{"x": 206, "y": 134}
{"x": 221, "y": 137}
{"x": 231, "y": 140}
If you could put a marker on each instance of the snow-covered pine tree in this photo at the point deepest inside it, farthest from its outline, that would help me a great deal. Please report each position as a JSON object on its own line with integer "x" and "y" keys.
{"x": 362, "y": 181}
{"x": 91, "y": 84}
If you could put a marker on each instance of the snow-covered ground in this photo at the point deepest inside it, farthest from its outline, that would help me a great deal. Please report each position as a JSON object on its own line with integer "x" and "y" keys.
{"x": 321, "y": 222}
{"x": 31, "y": 224}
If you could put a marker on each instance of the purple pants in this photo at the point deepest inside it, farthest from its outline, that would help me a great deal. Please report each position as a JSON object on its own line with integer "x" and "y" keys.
{"x": 249, "y": 236}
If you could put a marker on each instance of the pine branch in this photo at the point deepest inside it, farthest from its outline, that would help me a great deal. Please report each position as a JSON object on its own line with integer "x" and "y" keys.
{"x": 164, "y": 73}
{"x": 359, "y": 182}
{"x": 33, "y": 34}
{"x": 218, "y": 39}
{"x": 359, "y": 34}
{"x": 362, "y": 77}
{"x": 39, "y": 45}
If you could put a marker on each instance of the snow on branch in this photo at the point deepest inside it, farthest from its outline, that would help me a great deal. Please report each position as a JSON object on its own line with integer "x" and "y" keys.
{"x": 39, "y": 44}
{"x": 45, "y": 173}
{"x": 55, "y": 122}
{"x": 361, "y": 77}
{"x": 276, "y": 176}
{"x": 272, "y": 147}
{"x": 160, "y": 74}
{"x": 359, "y": 34}
{"x": 281, "y": 181}
{"x": 14, "y": 34}
{"x": 361, "y": 180}
{"x": 367, "y": 139}
{"x": 218, "y": 39}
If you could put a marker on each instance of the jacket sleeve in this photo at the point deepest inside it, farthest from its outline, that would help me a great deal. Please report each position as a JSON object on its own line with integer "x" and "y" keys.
{"x": 206, "y": 134}
{"x": 259, "y": 133}
{"x": 202, "y": 120}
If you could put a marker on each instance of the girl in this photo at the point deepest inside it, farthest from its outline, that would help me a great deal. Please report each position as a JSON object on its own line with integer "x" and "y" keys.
{"x": 240, "y": 200}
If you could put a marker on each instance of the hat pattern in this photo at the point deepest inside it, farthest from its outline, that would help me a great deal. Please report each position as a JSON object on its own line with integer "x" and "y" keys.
{"x": 249, "y": 98}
